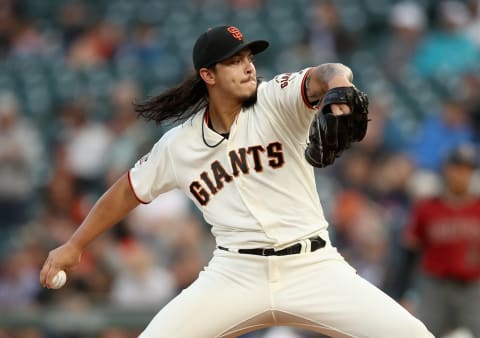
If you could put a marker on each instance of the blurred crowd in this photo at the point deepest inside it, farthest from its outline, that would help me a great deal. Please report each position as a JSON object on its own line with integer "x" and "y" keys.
{"x": 70, "y": 70}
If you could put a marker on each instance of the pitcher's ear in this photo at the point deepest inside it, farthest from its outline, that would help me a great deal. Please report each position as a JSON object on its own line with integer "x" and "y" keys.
{"x": 207, "y": 75}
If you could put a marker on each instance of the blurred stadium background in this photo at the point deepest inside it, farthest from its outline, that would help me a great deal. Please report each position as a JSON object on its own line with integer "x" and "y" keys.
{"x": 69, "y": 71}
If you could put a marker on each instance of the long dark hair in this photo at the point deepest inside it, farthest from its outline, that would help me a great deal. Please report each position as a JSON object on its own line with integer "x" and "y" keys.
{"x": 177, "y": 103}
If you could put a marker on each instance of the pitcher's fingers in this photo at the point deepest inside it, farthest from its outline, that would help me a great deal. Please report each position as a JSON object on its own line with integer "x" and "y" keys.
{"x": 345, "y": 108}
{"x": 43, "y": 273}
{"x": 52, "y": 271}
{"x": 48, "y": 274}
{"x": 340, "y": 109}
{"x": 336, "y": 110}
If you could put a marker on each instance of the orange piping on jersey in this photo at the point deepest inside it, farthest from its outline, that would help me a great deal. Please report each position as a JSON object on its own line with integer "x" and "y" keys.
{"x": 206, "y": 117}
{"x": 302, "y": 89}
{"x": 133, "y": 190}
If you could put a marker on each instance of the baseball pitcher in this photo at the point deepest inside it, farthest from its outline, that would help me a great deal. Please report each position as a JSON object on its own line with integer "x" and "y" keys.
{"x": 244, "y": 154}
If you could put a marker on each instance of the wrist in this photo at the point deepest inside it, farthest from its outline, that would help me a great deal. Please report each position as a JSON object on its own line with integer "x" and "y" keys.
{"x": 75, "y": 244}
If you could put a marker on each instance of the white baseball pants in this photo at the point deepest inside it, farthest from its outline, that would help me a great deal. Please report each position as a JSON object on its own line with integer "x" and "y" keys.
{"x": 318, "y": 291}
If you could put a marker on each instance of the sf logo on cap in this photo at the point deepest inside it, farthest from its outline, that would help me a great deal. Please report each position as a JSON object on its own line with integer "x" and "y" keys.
{"x": 235, "y": 33}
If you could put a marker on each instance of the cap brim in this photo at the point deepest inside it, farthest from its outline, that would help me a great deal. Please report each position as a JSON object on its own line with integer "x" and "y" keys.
{"x": 256, "y": 47}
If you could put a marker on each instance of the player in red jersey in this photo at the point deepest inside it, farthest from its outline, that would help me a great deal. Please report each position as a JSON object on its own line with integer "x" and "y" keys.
{"x": 445, "y": 231}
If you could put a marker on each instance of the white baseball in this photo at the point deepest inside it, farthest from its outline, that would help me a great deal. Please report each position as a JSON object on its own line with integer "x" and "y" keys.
{"x": 58, "y": 280}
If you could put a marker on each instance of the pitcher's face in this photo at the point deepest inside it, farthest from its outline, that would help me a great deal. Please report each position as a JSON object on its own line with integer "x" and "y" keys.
{"x": 236, "y": 76}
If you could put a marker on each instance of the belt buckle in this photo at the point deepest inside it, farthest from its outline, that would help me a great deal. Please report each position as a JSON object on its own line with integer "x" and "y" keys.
{"x": 264, "y": 251}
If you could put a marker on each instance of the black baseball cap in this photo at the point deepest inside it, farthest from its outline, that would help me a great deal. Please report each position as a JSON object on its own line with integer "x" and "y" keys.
{"x": 462, "y": 155}
{"x": 220, "y": 43}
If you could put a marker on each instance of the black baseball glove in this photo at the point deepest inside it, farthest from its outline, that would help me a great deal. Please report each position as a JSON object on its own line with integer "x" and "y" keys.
{"x": 330, "y": 135}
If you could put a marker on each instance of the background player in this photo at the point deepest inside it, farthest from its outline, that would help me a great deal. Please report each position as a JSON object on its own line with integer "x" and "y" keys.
{"x": 445, "y": 231}
{"x": 239, "y": 157}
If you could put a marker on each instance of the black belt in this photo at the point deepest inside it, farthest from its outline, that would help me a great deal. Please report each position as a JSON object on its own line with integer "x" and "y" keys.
{"x": 315, "y": 243}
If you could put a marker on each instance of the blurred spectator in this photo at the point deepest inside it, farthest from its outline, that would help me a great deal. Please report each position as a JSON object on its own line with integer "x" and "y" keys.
{"x": 117, "y": 333}
{"x": 131, "y": 136}
{"x": 22, "y": 333}
{"x": 447, "y": 51}
{"x": 11, "y": 14}
{"x": 141, "y": 283}
{"x": 298, "y": 56}
{"x": 389, "y": 177}
{"x": 168, "y": 224}
{"x": 469, "y": 89}
{"x": 144, "y": 47}
{"x": 96, "y": 46}
{"x": 445, "y": 231}
{"x": 190, "y": 252}
{"x": 408, "y": 23}
{"x": 326, "y": 35}
{"x": 86, "y": 145}
{"x": 245, "y": 4}
{"x": 27, "y": 42}
{"x": 18, "y": 282}
{"x": 384, "y": 135}
{"x": 347, "y": 205}
{"x": 360, "y": 234}
{"x": 473, "y": 26}
{"x": 59, "y": 193}
{"x": 356, "y": 170}
{"x": 74, "y": 18}
{"x": 369, "y": 243}
{"x": 440, "y": 133}
{"x": 161, "y": 219}
{"x": 423, "y": 184}
{"x": 21, "y": 153}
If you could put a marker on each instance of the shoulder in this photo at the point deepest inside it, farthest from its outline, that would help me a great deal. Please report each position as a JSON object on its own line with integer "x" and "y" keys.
{"x": 283, "y": 80}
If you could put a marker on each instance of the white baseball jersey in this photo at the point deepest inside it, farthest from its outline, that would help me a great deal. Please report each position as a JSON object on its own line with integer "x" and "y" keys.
{"x": 241, "y": 184}
{"x": 257, "y": 190}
